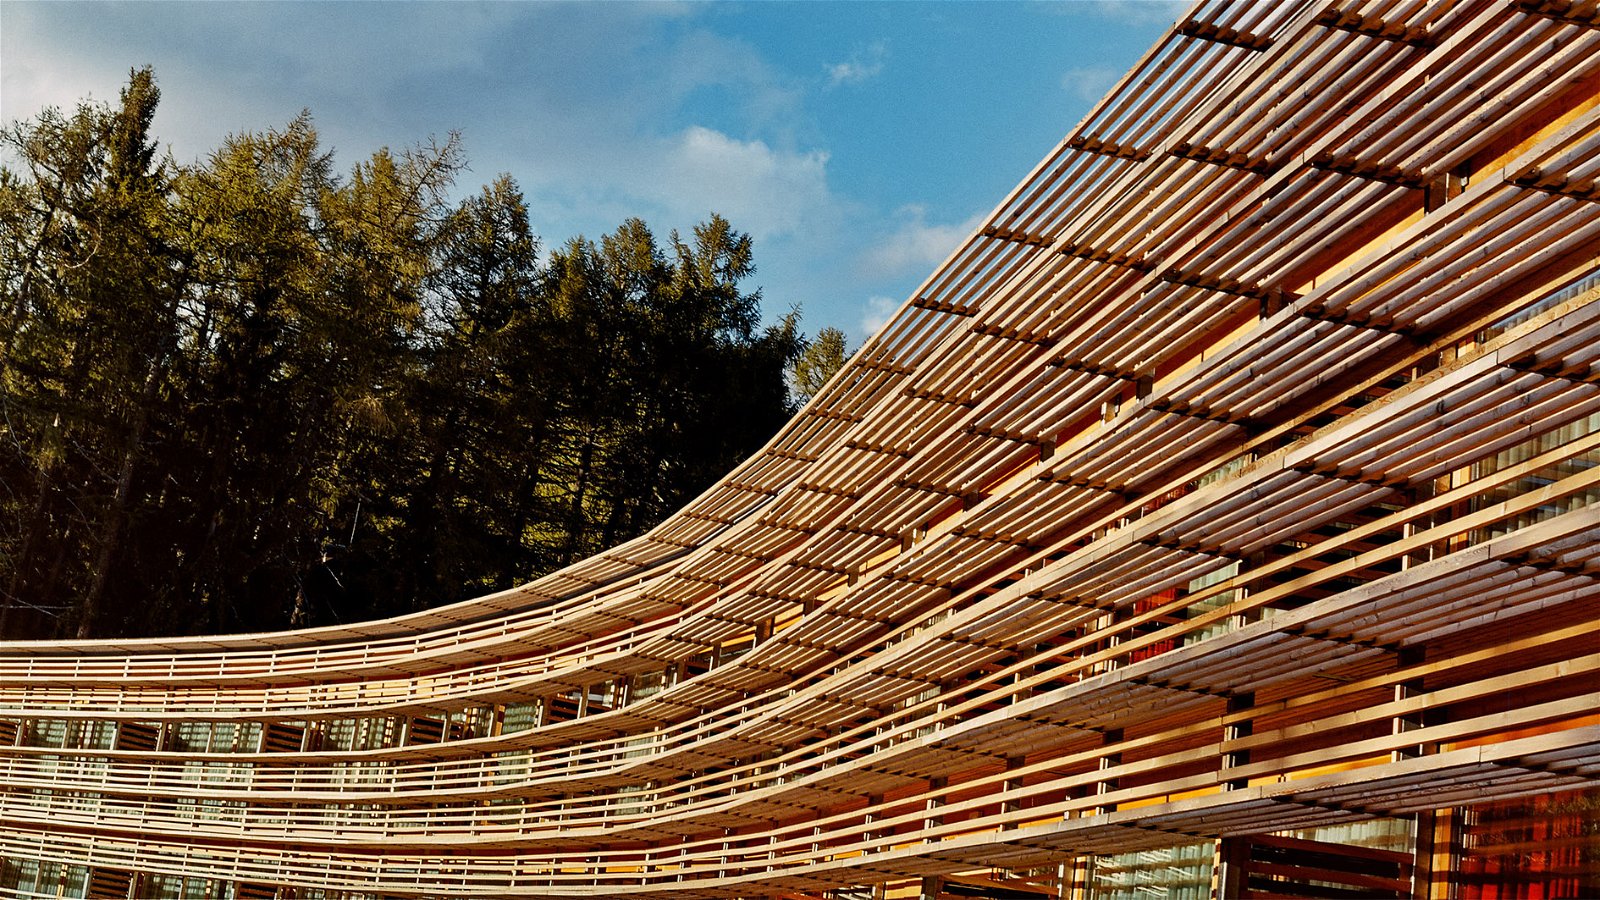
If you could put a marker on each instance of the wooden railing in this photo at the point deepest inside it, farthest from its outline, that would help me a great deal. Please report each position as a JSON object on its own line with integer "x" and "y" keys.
{"x": 1239, "y": 474}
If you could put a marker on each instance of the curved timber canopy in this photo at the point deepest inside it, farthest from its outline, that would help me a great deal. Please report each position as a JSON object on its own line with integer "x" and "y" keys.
{"x": 1230, "y": 497}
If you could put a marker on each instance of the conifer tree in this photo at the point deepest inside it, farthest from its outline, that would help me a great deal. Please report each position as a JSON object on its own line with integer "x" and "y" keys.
{"x": 818, "y": 362}
{"x": 250, "y": 392}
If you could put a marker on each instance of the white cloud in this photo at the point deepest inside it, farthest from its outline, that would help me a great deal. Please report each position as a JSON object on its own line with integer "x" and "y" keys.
{"x": 876, "y": 314}
{"x": 916, "y": 246}
{"x": 762, "y": 190}
{"x": 862, "y": 65}
{"x": 1089, "y": 83}
{"x": 601, "y": 111}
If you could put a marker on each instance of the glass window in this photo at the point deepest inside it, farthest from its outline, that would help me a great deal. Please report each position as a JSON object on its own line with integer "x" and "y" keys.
{"x": 1170, "y": 873}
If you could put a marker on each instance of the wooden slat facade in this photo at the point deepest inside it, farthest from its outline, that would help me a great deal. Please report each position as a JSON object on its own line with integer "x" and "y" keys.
{"x": 1221, "y": 519}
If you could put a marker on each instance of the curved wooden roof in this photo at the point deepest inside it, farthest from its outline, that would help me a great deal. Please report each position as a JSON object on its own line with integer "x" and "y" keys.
{"x": 1258, "y": 421}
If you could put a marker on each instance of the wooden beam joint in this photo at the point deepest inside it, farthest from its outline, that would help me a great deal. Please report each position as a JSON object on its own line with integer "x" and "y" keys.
{"x": 1017, "y": 237}
{"x": 940, "y": 397}
{"x": 1180, "y": 408}
{"x": 1385, "y": 324}
{"x": 1325, "y": 637}
{"x": 1110, "y": 257}
{"x": 1107, "y": 148}
{"x": 1011, "y": 334}
{"x": 1548, "y": 564}
{"x": 1089, "y": 368}
{"x": 1206, "y": 31}
{"x": 928, "y": 487}
{"x": 779, "y": 453}
{"x": 1219, "y": 283}
{"x": 1372, "y": 171}
{"x": 1192, "y": 547}
{"x": 1228, "y": 158}
{"x": 1371, "y": 479}
{"x": 829, "y": 490}
{"x": 1331, "y": 807}
{"x": 869, "y": 447}
{"x": 868, "y": 532}
{"x": 1002, "y": 434}
{"x": 742, "y": 554}
{"x": 944, "y": 306}
{"x": 1577, "y": 373}
{"x": 1535, "y": 179}
{"x": 1572, "y": 12}
{"x": 832, "y": 414}
{"x": 1180, "y": 688}
{"x": 1374, "y": 26}
{"x": 804, "y": 529}
{"x": 1121, "y": 492}
{"x": 820, "y": 567}
{"x": 882, "y": 365}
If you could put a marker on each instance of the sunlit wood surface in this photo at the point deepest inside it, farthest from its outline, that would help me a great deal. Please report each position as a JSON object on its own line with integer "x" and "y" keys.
{"x": 1239, "y": 474}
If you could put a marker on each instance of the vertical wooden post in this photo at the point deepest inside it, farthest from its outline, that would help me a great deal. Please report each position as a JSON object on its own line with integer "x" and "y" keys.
{"x": 1230, "y": 876}
{"x": 727, "y": 845}
{"x": 1011, "y": 783}
{"x": 1108, "y": 761}
{"x": 1405, "y": 690}
{"x": 932, "y": 885}
{"x": 1233, "y": 759}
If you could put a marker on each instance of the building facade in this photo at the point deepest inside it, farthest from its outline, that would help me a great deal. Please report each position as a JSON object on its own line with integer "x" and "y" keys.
{"x": 1222, "y": 519}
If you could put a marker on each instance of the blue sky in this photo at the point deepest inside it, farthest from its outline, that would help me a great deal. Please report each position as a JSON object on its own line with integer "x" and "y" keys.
{"x": 856, "y": 142}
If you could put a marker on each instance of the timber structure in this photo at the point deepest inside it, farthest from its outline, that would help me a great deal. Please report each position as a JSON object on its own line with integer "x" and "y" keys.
{"x": 1222, "y": 519}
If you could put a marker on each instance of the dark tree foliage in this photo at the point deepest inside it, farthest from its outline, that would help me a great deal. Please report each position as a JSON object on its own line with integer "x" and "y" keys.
{"x": 254, "y": 393}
